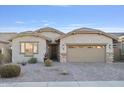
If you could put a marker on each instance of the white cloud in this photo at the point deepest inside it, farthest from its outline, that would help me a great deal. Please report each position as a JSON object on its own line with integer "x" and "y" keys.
{"x": 46, "y": 24}
{"x": 111, "y": 29}
{"x": 70, "y": 27}
{"x": 19, "y": 22}
{"x": 80, "y": 25}
{"x": 16, "y": 29}
{"x": 61, "y": 28}
{"x": 37, "y": 21}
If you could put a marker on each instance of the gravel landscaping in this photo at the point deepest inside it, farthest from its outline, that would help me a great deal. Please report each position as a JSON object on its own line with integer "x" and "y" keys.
{"x": 76, "y": 72}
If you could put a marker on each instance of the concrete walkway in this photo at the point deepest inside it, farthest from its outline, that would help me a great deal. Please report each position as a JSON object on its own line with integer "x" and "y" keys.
{"x": 65, "y": 84}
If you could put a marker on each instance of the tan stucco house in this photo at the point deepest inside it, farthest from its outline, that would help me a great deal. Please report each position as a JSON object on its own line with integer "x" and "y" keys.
{"x": 79, "y": 45}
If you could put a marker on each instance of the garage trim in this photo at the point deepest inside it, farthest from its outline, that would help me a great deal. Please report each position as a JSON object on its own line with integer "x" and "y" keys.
{"x": 93, "y": 44}
{"x": 104, "y": 44}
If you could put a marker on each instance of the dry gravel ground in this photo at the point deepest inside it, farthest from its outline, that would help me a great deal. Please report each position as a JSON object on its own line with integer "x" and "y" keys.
{"x": 77, "y": 72}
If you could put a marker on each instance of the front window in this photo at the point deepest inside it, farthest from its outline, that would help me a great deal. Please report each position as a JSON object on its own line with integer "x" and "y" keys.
{"x": 29, "y": 48}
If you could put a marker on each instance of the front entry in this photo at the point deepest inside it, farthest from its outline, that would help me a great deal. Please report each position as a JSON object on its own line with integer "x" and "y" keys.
{"x": 53, "y": 49}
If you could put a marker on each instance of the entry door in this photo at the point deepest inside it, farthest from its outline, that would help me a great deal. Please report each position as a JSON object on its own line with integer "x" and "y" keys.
{"x": 54, "y": 52}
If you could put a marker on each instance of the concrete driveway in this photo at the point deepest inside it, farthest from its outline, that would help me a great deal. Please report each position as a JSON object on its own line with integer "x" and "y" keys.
{"x": 77, "y": 72}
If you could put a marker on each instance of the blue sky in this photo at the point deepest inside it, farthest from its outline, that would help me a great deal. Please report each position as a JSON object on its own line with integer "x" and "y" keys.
{"x": 64, "y": 18}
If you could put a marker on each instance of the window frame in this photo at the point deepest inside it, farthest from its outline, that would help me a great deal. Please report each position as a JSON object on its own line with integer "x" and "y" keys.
{"x": 86, "y": 46}
{"x": 25, "y": 47}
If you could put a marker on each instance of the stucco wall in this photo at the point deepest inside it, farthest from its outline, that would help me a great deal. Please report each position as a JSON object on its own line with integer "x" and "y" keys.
{"x": 50, "y": 35}
{"x": 86, "y": 39}
{"x": 18, "y": 57}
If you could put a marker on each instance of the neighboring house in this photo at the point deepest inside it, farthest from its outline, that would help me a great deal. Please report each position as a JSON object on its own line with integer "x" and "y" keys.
{"x": 7, "y": 36}
{"x": 5, "y": 45}
{"x": 5, "y": 51}
{"x": 79, "y": 45}
{"x": 119, "y": 47}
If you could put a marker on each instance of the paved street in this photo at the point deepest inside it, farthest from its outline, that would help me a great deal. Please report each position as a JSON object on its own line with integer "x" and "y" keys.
{"x": 65, "y": 84}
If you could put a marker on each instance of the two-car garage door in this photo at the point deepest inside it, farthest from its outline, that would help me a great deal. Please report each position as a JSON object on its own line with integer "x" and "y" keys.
{"x": 85, "y": 53}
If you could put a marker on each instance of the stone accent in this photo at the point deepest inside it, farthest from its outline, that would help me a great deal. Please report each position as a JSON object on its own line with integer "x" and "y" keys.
{"x": 109, "y": 57}
{"x": 63, "y": 57}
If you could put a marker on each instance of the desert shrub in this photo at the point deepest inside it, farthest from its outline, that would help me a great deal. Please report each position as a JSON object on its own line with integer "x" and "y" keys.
{"x": 10, "y": 70}
{"x": 48, "y": 62}
{"x": 32, "y": 60}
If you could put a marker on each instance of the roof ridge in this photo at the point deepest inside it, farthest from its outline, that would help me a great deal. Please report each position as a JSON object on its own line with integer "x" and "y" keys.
{"x": 88, "y": 31}
{"x": 30, "y": 34}
{"x": 49, "y": 29}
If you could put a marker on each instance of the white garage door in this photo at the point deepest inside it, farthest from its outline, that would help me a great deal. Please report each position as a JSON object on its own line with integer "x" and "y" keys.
{"x": 86, "y": 53}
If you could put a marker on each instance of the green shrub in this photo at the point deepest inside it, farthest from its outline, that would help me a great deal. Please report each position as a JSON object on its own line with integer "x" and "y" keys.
{"x": 48, "y": 62}
{"x": 10, "y": 70}
{"x": 32, "y": 60}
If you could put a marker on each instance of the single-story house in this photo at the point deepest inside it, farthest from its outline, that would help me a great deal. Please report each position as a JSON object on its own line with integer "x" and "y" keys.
{"x": 79, "y": 45}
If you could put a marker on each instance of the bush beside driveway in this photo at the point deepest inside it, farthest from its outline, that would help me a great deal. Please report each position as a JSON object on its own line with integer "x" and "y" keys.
{"x": 77, "y": 72}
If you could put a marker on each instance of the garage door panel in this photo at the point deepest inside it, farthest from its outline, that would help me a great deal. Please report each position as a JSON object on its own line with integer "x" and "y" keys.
{"x": 86, "y": 54}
